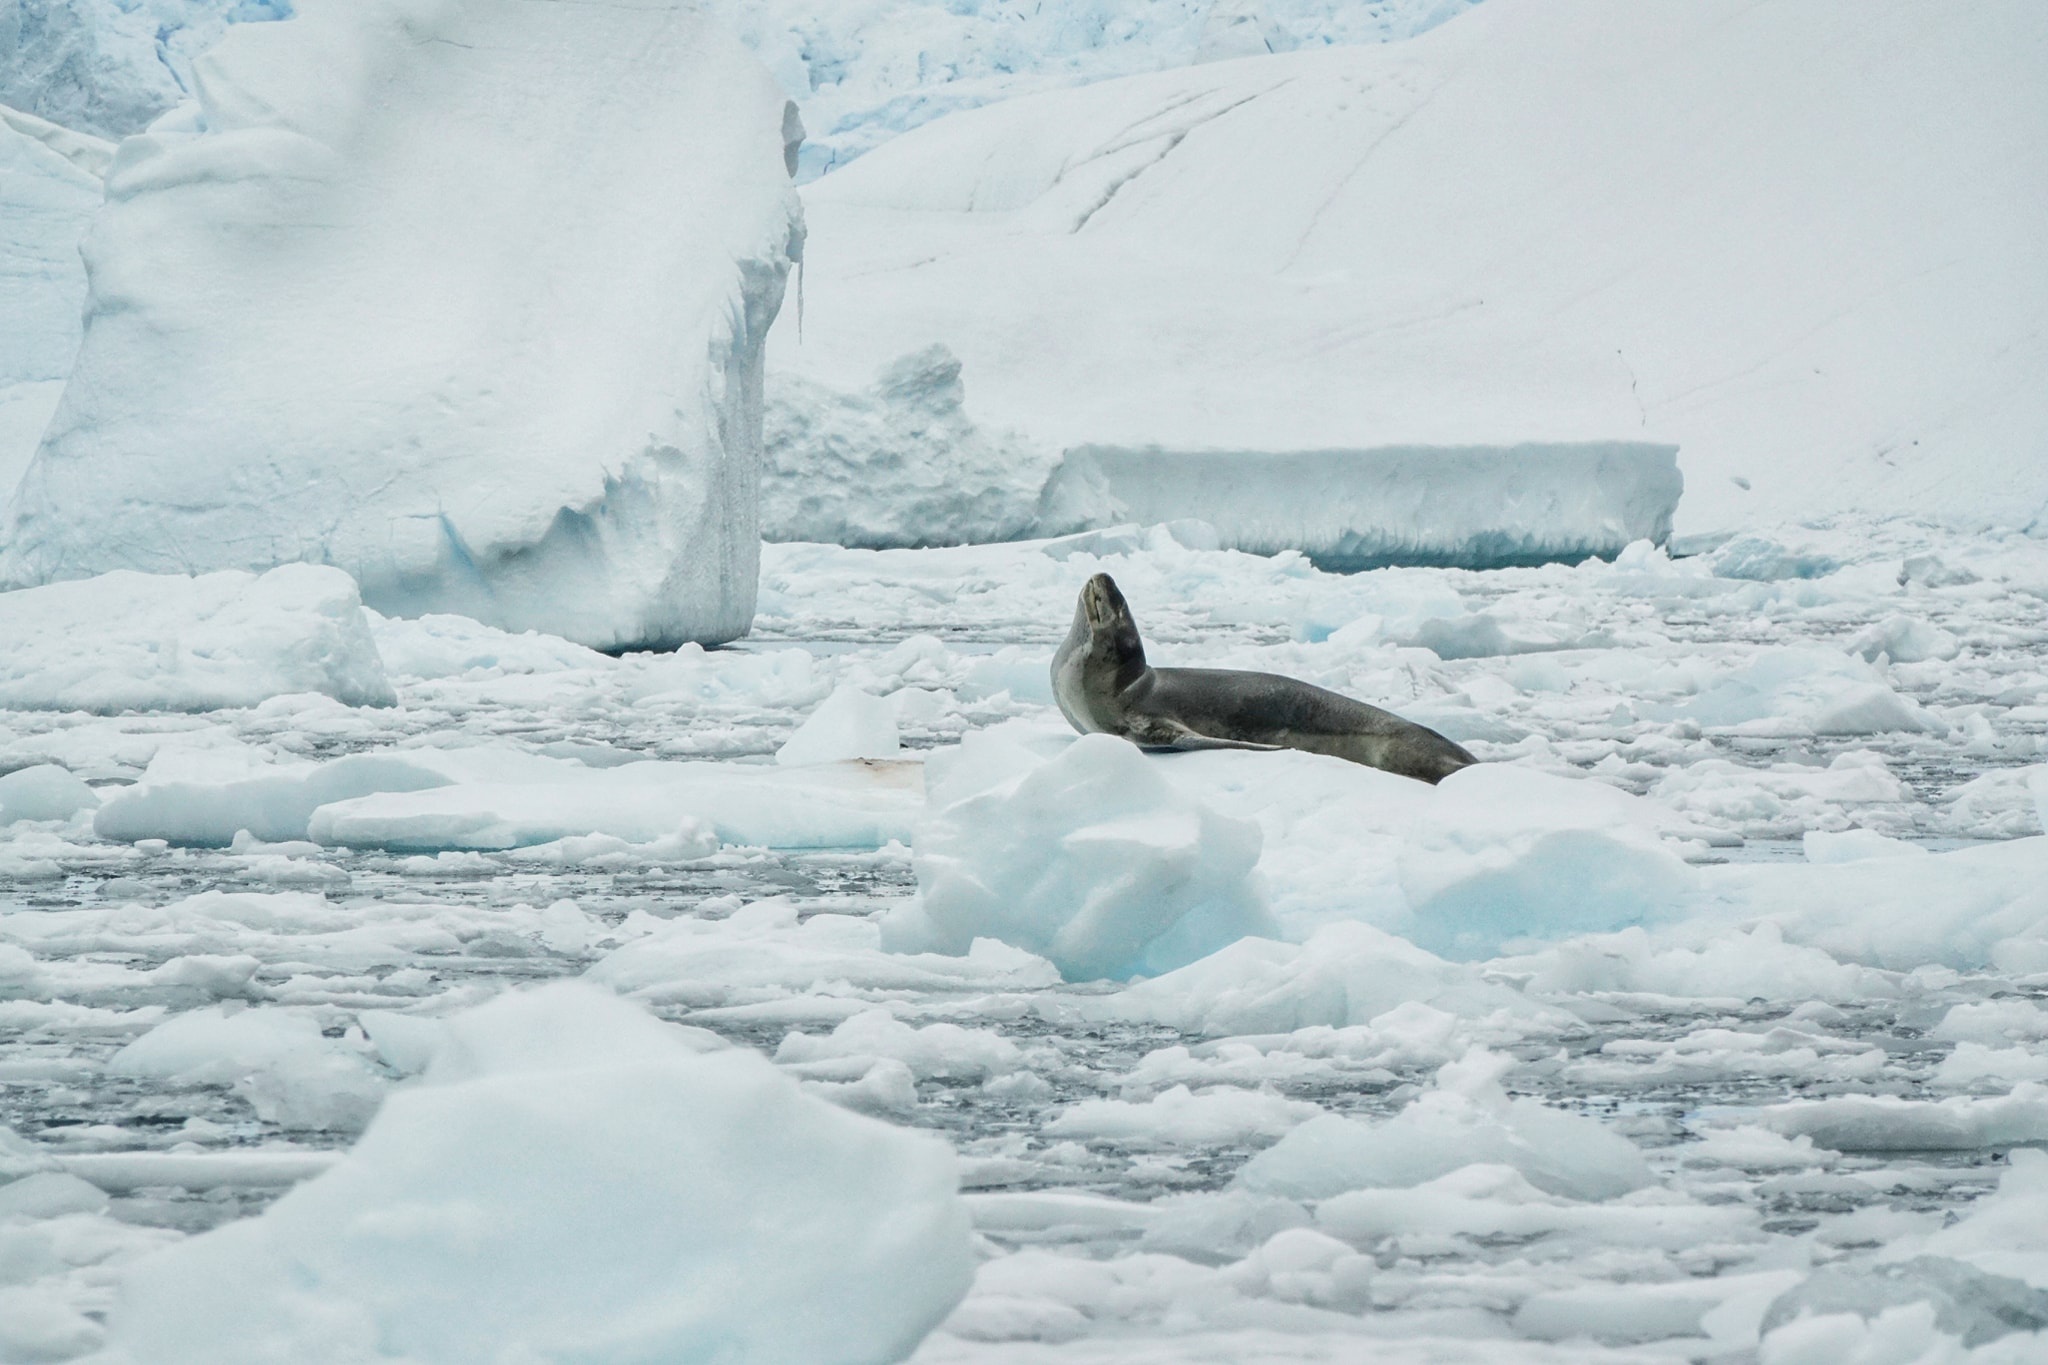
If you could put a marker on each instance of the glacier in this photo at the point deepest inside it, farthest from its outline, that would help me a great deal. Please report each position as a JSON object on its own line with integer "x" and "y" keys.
{"x": 418, "y": 358}
{"x": 1825, "y": 292}
{"x": 862, "y": 72}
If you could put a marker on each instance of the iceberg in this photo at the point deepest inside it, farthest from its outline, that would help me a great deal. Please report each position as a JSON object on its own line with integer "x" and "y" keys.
{"x": 49, "y": 189}
{"x": 132, "y": 641}
{"x": 1473, "y": 507}
{"x": 491, "y": 353}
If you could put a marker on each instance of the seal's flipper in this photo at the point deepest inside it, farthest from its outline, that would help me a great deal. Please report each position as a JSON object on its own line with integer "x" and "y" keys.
{"x": 1191, "y": 741}
{"x": 1161, "y": 733}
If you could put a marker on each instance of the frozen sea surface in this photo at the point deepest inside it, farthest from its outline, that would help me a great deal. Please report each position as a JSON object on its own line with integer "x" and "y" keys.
{"x": 1774, "y": 696}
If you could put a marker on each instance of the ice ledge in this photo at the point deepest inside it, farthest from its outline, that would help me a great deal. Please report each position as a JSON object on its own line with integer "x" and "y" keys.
{"x": 1477, "y": 507}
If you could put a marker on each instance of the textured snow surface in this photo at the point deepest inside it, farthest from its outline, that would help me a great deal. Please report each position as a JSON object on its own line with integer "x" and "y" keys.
{"x": 128, "y": 640}
{"x": 419, "y": 358}
{"x": 1798, "y": 241}
{"x": 1739, "y": 1057}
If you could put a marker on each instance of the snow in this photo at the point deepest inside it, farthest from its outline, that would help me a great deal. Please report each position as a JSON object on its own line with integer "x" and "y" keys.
{"x": 1797, "y": 242}
{"x": 417, "y": 358}
{"x": 550, "y": 1186}
{"x": 131, "y": 640}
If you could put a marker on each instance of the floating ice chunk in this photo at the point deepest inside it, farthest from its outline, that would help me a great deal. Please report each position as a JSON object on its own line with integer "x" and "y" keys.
{"x": 838, "y": 805}
{"x": 276, "y": 1059}
{"x": 1971, "y": 908}
{"x": 46, "y": 791}
{"x": 1711, "y": 962}
{"x": 1993, "y": 1021}
{"x": 1972, "y": 1066}
{"x": 570, "y": 1181}
{"x": 1494, "y": 1201}
{"x": 1805, "y": 690}
{"x": 1905, "y": 640}
{"x": 2004, "y": 1233}
{"x": 442, "y": 646}
{"x": 1345, "y": 974}
{"x": 1751, "y": 1148}
{"x": 848, "y": 724}
{"x": 1091, "y": 859}
{"x": 1502, "y": 853}
{"x": 166, "y": 642}
{"x": 1179, "y": 1117}
{"x": 273, "y": 806}
{"x": 422, "y": 361}
{"x": 1466, "y": 1119}
{"x": 1643, "y": 1312}
{"x": 763, "y": 953}
{"x": 1854, "y": 846}
{"x": 1762, "y": 558}
{"x": 1887, "y": 1123}
{"x": 939, "y": 1049}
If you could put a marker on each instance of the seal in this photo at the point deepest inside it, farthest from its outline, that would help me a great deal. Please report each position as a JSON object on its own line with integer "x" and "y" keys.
{"x": 1103, "y": 684}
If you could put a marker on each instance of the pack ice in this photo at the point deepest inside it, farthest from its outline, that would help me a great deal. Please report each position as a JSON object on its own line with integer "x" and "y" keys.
{"x": 370, "y": 302}
{"x": 1538, "y": 222}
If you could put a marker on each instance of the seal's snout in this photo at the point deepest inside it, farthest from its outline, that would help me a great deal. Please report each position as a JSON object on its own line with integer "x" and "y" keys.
{"x": 1101, "y": 600}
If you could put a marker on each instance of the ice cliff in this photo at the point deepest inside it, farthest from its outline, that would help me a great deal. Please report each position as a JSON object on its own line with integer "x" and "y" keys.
{"x": 49, "y": 188}
{"x": 468, "y": 301}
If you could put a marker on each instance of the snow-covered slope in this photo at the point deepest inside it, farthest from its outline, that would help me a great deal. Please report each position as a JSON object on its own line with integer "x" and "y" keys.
{"x": 46, "y": 199}
{"x": 1802, "y": 241}
{"x": 369, "y": 303}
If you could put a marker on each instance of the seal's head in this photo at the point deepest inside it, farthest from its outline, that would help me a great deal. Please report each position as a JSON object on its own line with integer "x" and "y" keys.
{"x": 1112, "y": 634}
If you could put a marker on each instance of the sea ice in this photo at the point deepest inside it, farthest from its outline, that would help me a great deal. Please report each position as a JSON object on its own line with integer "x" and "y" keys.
{"x": 419, "y": 357}
{"x": 279, "y": 1060}
{"x": 44, "y": 791}
{"x": 1503, "y": 853}
{"x": 1091, "y": 859}
{"x": 128, "y": 640}
{"x": 849, "y": 724}
{"x": 575, "y": 1179}
{"x": 1466, "y": 1119}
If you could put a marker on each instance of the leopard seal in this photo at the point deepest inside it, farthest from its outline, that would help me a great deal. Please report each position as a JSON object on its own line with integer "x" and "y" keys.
{"x": 1103, "y": 684}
